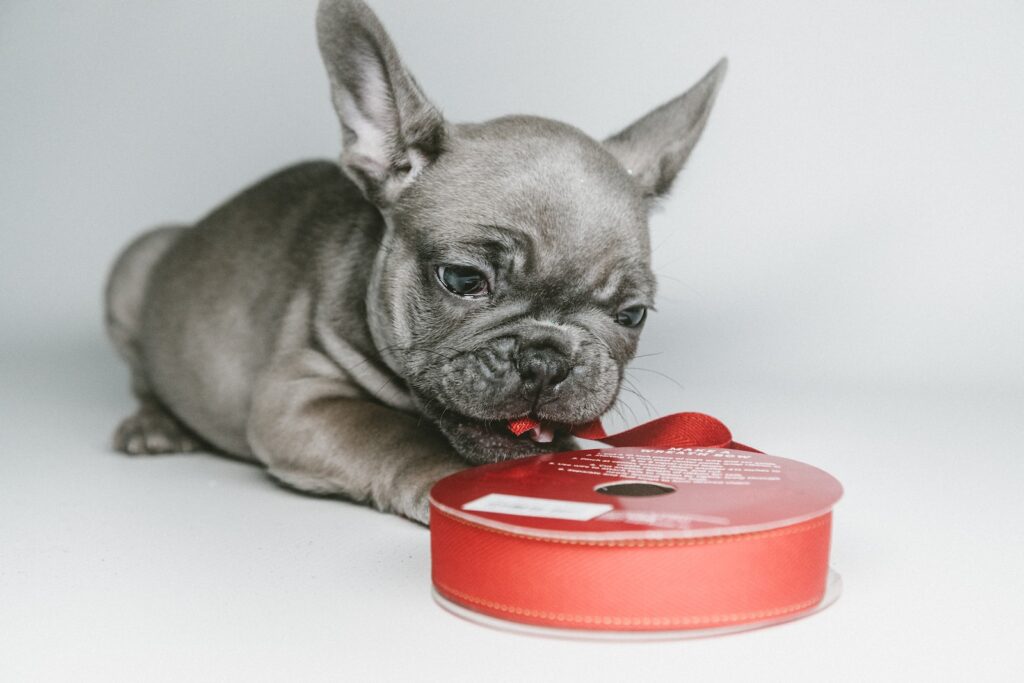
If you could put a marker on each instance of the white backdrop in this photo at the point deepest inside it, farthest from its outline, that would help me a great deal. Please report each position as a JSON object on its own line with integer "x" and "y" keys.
{"x": 841, "y": 282}
{"x": 854, "y": 212}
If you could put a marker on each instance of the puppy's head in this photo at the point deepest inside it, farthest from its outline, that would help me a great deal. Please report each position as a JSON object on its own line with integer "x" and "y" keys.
{"x": 514, "y": 277}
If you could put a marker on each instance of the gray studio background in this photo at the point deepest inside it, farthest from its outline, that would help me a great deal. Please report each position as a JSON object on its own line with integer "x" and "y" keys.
{"x": 842, "y": 280}
{"x": 853, "y": 214}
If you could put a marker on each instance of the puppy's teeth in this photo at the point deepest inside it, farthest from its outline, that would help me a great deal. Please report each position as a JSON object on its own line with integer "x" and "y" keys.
{"x": 542, "y": 434}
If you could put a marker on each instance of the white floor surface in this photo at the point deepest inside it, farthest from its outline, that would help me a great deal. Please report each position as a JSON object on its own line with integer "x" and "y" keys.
{"x": 198, "y": 568}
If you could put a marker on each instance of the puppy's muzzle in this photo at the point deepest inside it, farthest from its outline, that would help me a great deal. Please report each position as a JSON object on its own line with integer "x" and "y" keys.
{"x": 541, "y": 367}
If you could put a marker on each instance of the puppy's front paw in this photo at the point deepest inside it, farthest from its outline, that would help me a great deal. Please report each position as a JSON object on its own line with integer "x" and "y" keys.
{"x": 414, "y": 499}
{"x": 420, "y": 511}
{"x": 152, "y": 431}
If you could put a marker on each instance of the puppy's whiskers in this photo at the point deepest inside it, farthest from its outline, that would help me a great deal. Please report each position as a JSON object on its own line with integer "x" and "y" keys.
{"x": 660, "y": 374}
{"x": 648, "y": 406}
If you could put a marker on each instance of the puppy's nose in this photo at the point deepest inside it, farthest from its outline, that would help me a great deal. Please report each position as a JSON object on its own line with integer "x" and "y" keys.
{"x": 542, "y": 365}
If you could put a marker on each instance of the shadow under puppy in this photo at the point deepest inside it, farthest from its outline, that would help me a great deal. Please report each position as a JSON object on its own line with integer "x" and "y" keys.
{"x": 367, "y": 328}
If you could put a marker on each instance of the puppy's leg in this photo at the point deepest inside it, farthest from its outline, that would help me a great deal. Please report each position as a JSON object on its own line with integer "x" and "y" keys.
{"x": 152, "y": 429}
{"x": 317, "y": 433}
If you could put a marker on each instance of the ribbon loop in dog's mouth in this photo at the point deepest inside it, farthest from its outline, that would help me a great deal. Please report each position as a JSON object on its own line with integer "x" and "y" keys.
{"x": 538, "y": 431}
{"x": 681, "y": 430}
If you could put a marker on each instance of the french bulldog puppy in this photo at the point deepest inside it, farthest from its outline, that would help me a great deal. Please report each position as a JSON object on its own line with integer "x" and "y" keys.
{"x": 363, "y": 329}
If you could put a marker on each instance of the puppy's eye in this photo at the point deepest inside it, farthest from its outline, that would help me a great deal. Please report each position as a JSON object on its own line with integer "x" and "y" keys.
{"x": 463, "y": 281}
{"x": 632, "y": 316}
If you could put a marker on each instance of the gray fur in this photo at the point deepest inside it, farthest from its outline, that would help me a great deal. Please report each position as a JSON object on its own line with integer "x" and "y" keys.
{"x": 302, "y": 325}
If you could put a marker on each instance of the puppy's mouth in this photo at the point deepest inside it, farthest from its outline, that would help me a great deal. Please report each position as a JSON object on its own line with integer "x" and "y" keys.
{"x": 536, "y": 430}
{"x": 518, "y": 433}
{"x": 482, "y": 441}
{"x": 527, "y": 429}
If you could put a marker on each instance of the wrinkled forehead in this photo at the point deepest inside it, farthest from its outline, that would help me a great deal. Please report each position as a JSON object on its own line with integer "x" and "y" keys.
{"x": 539, "y": 189}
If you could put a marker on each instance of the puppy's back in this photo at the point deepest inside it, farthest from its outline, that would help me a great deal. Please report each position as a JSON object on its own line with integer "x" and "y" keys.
{"x": 218, "y": 301}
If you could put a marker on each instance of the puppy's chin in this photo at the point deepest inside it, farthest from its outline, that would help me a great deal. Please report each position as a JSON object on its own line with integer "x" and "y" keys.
{"x": 481, "y": 442}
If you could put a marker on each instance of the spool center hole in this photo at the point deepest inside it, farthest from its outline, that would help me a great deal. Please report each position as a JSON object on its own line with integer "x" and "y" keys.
{"x": 634, "y": 488}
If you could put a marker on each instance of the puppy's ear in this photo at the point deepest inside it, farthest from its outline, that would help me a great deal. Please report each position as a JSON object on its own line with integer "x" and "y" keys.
{"x": 655, "y": 148}
{"x": 390, "y": 131}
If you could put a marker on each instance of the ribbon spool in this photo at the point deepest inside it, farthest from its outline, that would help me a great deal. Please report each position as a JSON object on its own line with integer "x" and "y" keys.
{"x": 671, "y": 540}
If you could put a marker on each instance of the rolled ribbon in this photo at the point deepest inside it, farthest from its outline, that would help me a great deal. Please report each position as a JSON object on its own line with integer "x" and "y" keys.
{"x": 678, "y": 528}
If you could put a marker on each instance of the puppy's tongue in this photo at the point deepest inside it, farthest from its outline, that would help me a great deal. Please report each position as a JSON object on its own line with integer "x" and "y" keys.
{"x": 539, "y": 432}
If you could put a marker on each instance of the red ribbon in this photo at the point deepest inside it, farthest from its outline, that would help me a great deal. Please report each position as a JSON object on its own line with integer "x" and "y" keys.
{"x": 680, "y": 430}
{"x": 631, "y": 584}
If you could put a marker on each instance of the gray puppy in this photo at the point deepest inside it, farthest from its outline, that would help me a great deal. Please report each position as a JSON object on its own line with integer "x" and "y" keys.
{"x": 367, "y": 328}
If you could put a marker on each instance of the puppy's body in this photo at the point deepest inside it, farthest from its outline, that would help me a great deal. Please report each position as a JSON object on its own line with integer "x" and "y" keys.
{"x": 240, "y": 288}
{"x": 313, "y": 323}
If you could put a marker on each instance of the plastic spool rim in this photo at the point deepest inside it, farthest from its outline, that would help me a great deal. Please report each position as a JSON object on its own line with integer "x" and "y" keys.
{"x": 833, "y": 589}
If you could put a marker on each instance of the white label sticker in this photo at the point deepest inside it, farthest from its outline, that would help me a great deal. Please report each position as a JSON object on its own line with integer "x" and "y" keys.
{"x": 536, "y": 507}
